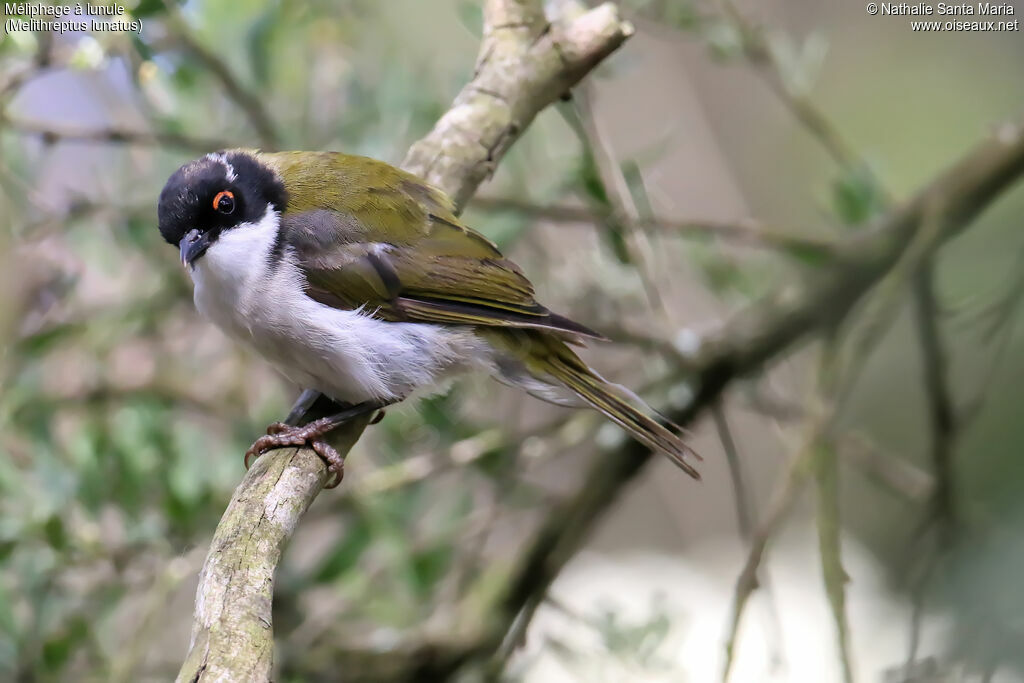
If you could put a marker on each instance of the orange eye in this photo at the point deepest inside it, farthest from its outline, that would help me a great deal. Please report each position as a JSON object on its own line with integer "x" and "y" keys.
{"x": 224, "y": 202}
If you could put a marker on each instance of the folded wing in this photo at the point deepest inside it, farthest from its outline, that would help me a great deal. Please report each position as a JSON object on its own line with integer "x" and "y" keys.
{"x": 401, "y": 254}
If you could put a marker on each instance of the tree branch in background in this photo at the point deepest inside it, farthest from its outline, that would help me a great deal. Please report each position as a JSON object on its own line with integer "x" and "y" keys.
{"x": 617, "y": 195}
{"x": 929, "y": 548}
{"x": 747, "y": 232}
{"x": 797, "y": 473}
{"x": 744, "y": 516}
{"x": 998, "y": 321}
{"x": 895, "y": 473}
{"x": 746, "y": 521}
{"x": 112, "y": 135}
{"x": 247, "y": 101}
{"x": 525, "y": 63}
{"x": 942, "y": 413}
{"x": 826, "y": 478}
{"x": 769, "y": 327}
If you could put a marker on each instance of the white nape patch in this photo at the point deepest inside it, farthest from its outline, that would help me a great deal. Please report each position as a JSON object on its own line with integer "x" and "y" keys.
{"x": 345, "y": 354}
{"x": 223, "y": 160}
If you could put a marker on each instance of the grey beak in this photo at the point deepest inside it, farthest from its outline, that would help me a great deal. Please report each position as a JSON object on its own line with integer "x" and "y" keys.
{"x": 193, "y": 245}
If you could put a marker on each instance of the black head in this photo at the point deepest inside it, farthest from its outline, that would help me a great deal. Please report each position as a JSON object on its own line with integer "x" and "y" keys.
{"x": 214, "y": 193}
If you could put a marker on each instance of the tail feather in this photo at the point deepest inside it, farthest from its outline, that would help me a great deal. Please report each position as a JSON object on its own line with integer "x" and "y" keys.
{"x": 617, "y": 404}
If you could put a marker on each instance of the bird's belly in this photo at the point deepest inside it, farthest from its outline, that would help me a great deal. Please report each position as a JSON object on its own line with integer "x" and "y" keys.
{"x": 347, "y": 355}
{"x": 352, "y": 357}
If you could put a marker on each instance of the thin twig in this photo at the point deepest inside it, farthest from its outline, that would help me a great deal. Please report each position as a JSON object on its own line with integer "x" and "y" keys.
{"x": 744, "y": 517}
{"x": 418, "y": 468}
{"x": 998, "y": 321}
{"x": 778, "y": 510}
{"x": 882, "y": 308}
{"x": 623, "y": 209}
{"x": 748, "y": 232}
{"x": 826, "y": 475}
{"x": 786, "y": 495}
{"x": 745, "y": 520}
{"x": 895, "y": 473}
{"x": 941, "y": 522}
{"x": 113, "y": 135}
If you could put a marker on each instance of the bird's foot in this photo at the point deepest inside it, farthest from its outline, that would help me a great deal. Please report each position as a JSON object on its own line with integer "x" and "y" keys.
{"x": 281, "y": 435}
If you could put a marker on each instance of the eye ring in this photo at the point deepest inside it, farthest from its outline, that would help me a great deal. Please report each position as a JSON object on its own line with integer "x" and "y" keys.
{"x": 224, "y": 202}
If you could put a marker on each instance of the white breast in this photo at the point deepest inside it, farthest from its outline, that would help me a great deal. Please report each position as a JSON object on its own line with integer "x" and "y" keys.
{"x": 347, "y": 355}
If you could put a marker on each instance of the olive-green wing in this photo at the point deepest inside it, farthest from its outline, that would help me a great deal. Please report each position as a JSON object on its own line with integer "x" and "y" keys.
{"x": 398, "y": 251}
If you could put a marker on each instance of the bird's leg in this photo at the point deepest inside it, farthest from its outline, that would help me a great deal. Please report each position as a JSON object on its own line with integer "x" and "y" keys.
{"x": 282, "y": 435}
{"x": 303, "y": 403}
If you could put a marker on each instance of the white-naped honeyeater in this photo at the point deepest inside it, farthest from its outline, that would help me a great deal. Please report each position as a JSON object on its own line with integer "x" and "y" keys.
{"x": 356, "y": 279}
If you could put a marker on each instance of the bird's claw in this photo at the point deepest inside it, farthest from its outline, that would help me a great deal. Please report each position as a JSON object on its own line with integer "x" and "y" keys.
{"x": 280, "y": 435}
{"x": 335, "y": 463}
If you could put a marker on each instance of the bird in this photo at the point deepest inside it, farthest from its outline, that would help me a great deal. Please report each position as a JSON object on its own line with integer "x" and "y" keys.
{"x": 357, "y": 279}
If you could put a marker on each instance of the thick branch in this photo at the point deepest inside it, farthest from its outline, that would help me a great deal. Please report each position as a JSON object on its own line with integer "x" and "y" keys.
{"x": 773, "y": 323}
{"x": 232, "y": 635}
{"x": 524, "y": 65}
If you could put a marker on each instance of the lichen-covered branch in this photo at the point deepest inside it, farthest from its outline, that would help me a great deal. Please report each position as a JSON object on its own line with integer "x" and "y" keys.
{"x": 525, "y": 64}
{"x": 232, "y": 635}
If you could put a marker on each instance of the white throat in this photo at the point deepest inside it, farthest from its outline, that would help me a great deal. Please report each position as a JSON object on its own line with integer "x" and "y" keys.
{"x": 236, "y": 263}
{"x": 241, "y": 254}
{"x": 233, "y": 269}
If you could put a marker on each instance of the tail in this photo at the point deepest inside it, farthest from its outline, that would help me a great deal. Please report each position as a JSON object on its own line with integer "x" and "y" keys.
{"x": 620, "y": 406}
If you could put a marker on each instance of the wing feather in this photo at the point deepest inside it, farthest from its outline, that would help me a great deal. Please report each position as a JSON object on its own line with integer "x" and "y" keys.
{"x": 400, "y": 252}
